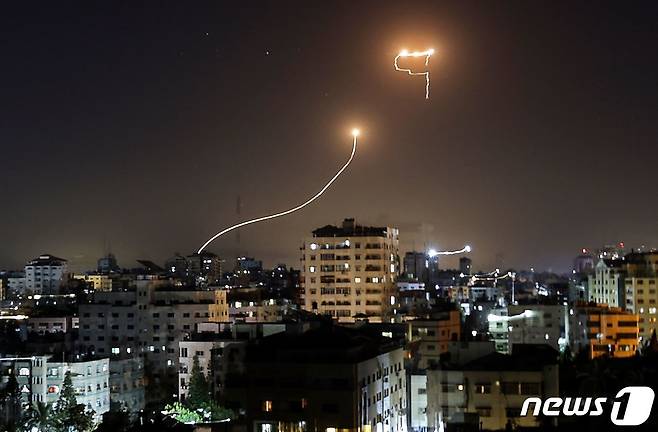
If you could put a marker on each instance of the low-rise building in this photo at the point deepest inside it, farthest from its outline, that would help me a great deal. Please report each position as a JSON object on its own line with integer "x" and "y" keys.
{"x": 327, "y": 378}
{"x": 488, "y": 393}
{"x": 52, "y": 324}
{"x": 528, "y": 324}
{"x": 602, "y": 330}
{"x": 40, "y": 379}
{"x": 99, "y": 282}
{"x": 432, "y": 335}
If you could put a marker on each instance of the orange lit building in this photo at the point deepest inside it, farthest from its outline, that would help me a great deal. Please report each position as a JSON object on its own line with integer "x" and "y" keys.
{"x": 433, "y": 335}
{"x": 603, "y": 330}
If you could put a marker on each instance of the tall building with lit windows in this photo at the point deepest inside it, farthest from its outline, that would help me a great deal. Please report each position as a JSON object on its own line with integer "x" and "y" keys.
{"x": 45, "y": 274}
{"x": 606, "y": 283}
{"x": 642, "y": 290}
{"x": 349, "y": 271}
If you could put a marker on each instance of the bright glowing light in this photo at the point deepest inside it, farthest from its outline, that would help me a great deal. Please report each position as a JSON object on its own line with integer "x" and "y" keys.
{"x": 525, "y": 314}
{"x": 427, "y": 54}
{"x": 292, "y": 210}
{"x": 433, "y": 252}
{"x": 356, "y": 132}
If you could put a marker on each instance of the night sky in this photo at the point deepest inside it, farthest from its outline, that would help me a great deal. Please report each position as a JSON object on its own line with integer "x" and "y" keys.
{"x": 136, "y": 128}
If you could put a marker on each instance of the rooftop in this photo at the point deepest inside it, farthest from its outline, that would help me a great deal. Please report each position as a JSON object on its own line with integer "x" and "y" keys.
{"x": 349, "y": 228}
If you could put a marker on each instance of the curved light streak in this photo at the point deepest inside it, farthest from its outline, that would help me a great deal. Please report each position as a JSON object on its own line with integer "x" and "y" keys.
{"x": 427, "y": 54}
{"x": 355, "y": 134}
{"x": 433, "y": 252}
{"x": 492, "y": 276}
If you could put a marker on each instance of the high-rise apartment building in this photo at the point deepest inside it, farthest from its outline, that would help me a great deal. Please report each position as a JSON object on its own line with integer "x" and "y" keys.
{"x": 45, "y": 274}
{"x": 606, "y": 284}
{"x": 641, "y": 290}
{"x": 350, "y": 271}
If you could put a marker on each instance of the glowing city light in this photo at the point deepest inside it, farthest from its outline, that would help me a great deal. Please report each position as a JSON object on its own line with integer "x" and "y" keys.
{"x": 433, "y": 252}
{"x": 427, "y": 54}
{"x": 355, "y": 134}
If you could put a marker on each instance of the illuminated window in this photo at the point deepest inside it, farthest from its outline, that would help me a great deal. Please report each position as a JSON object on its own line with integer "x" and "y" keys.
{"x": 357, "y": 280}
{"x": 116, "y": 350}
{"x": 267, "y": 406}
{"x": 314, "y": 246}
{"x": 311, "y": 269}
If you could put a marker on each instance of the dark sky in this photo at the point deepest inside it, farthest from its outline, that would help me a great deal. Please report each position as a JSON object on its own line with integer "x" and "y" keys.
{"x": 139, "y": 126}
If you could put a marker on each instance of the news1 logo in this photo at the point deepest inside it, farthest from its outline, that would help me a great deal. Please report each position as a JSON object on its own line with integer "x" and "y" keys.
{"x": 630, "y": 407}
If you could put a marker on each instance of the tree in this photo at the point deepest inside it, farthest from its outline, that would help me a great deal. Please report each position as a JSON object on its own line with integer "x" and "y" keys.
{"x": 199, "y": 387}
{"x": 10, "y": 403}
{"x": 40, "y": 417}
{"x": 71, "y": 416}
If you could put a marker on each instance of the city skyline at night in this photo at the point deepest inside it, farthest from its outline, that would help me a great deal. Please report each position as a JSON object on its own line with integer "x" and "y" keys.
{"x": 151, "y": 127}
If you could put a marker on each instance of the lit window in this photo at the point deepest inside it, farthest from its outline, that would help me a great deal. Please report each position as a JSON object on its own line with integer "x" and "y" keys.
{"x": 311, "y": 269}
{"x": 267, "y": 406}
{"x": 314, "y": 246}
{"x": 357, "y": 280}
{"x": 116, "y": 350}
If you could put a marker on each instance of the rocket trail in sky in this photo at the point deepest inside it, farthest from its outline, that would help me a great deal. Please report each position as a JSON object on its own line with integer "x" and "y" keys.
{"x": 433, "y": 252}
{"x": 355, "y": 134}
{"x": 427, "y": 54}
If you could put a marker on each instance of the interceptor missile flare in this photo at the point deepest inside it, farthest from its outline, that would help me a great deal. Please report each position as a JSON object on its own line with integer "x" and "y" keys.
{"x": 433, "y": 252}
{"x": 427, "y": 54}
{"x": 355, "y": 134}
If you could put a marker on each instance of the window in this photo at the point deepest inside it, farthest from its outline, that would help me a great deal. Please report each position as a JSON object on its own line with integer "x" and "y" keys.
{"x": 483, "y": 388}
{"x": 267, "y": 406}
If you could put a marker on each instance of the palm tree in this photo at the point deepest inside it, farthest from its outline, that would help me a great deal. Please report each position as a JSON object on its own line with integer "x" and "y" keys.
{"x": 39, "y": 418}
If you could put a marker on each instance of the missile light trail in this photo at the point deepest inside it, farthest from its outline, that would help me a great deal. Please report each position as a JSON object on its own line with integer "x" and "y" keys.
{"x": 433, "y": 252}
{"x": 355, "y": 134}
{"x": 427, "y": 54}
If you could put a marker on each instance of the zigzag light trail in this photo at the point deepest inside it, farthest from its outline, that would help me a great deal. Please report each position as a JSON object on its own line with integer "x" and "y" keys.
{"x": 355, "y": 134}
{"x": 427, "y": 54}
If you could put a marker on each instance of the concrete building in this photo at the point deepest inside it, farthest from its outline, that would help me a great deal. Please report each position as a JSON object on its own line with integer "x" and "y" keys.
{"x": 488, "y": 392}
{"x": 263, "y": 311}
{"x": 149, "y": 321}
{"x": 602, "y": 330}
{"x": 528, "y": 324}
{"x": 127, "y": 384}
{"x": 641, "y": 285}
{"x": 16, "y": 284}
{"x": 219, "y": 355}
{"x": 431, "y": 336}
{"x": 52, "y": 324}
{"x": 40, "y": 379}
{"x": 205, "y": 268}
{"x": 584, "y": 263}
{"x": 45, "y": 274}
{"x": 417, "y": 402}
{"x": 416, "y": 266}
{"x": 99, "y": 282}
{"x": 327, "y": 378}
{"x": 465, "y": 265}
{"x": 606, "y": 284}
{"x": 350, "y": 271}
